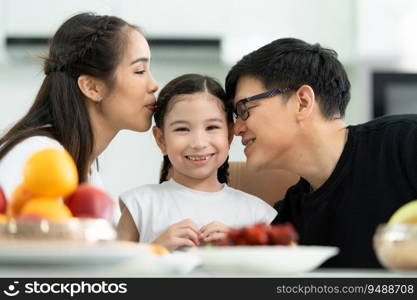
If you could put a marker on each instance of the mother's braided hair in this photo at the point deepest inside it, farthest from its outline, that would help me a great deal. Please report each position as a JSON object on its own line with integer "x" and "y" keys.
{"x": 61, "y": 63}
{"x": 81, "y": 50}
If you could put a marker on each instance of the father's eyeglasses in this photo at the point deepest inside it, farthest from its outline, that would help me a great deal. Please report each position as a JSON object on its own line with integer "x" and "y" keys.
{"x": 242, "y": 111}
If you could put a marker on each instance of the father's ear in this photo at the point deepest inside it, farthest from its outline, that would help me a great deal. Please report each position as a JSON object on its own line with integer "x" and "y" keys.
{"x": 305, "y": 102}
{"x": 92, "y": 88}
{"x": 159, "y": 138}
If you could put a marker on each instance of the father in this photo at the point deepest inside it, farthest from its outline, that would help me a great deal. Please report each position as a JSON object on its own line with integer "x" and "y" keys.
{"x": 290, "y": 98}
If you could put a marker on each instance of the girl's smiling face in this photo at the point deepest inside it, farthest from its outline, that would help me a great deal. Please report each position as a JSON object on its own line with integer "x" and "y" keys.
{"x": 195, "y": 137}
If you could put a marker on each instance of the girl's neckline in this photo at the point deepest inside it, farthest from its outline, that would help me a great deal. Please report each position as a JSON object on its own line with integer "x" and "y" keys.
{"x": 181, "y": 186}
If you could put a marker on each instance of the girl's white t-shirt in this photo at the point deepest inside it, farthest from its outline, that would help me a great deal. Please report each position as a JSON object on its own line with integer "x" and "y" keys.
{"x": 12, "y": 164}
{"x": 155, "y": 207}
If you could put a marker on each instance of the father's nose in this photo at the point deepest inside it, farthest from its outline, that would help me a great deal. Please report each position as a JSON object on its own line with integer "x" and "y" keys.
{"x": 239, "y": 127}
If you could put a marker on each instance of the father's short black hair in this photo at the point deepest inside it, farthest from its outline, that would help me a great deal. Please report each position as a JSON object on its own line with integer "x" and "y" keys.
{"x": 291, "y": 62}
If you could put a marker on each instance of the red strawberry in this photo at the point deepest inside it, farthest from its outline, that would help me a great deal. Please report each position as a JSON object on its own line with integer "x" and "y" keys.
{"x": 261, "y": 234}
{"x": 238, "y": 237}
{"x": 282, "y": 234}
{"x": 257, "y": 234}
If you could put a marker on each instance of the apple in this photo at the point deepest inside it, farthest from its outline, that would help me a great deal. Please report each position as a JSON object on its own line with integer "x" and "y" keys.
{"x": 3, "y": 202}
{"x": 88, "y": 201}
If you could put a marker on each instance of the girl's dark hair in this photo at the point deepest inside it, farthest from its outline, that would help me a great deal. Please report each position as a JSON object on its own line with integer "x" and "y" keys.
{"x": 186, "y": 85}
{"x": 290, "y": 62}
{"x": 86, "y": 44}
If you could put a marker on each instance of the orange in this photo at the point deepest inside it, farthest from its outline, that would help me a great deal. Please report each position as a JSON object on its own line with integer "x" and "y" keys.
{"x": 158, "y": 249}
{"x": 3, "y": 218}
{"x": 50, "y": 173}
{"x": 50, "y": 208}
{"x": 19, "y": 198}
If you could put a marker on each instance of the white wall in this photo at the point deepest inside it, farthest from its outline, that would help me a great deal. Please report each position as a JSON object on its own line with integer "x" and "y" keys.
{"x": 385, "y": 41}
{"x": 255, "y": 23}
{"x": 40, "y": 18}
{"x": 358, "y": 30}
{"x": 2, "y": 32}
{"x": 240, "y": 25}
{"x": 384, "y": 31}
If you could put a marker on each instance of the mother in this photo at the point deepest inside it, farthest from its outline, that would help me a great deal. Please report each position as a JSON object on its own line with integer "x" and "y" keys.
{"x": 97, "y": 82}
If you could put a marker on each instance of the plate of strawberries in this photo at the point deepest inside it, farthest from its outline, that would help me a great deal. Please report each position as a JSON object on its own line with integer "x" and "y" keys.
{"x": 262, "y": 249}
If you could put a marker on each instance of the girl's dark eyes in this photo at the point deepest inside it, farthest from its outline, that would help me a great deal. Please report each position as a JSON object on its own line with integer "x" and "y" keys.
{"x": 140, "y": 72}
{"x": 212, "y": 127}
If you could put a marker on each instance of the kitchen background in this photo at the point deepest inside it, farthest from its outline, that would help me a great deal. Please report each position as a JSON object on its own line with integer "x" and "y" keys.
{"x": 208, "y": 37}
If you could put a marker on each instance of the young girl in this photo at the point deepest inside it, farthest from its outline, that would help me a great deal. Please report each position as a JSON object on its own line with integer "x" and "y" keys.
{"x": 195, "y": 206}
{"x": 97, "y": 82}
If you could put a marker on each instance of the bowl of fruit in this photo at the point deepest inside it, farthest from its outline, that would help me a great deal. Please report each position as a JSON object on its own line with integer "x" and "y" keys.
{"x": 50, "y": 204}
{"x": 262, "y": 249}
{"x": 395, "y": 242}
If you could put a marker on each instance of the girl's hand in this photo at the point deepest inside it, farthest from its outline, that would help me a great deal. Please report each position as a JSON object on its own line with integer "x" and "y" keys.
{"x": 213, "y": 231}
{"x": 181, "y": 234}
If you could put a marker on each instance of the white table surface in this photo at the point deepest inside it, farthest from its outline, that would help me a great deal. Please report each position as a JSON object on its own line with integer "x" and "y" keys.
{"x": 31, "y": 260}
{"x": 132, "y": 270}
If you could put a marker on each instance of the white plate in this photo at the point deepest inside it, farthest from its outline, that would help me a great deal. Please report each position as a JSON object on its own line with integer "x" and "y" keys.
{"x": 170, "y": 264}
{"x": 27, "y": 252}
{"x": 128, "y": 258}
{"x": 267, "y": 260}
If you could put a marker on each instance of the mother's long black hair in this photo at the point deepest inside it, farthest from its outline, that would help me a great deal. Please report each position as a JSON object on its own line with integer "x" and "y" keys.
{"x": 185, "y": 85}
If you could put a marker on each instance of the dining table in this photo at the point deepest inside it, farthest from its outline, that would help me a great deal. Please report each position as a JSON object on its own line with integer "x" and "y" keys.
{"x": 133, "y": 270}
{"x": 145, "y": 276}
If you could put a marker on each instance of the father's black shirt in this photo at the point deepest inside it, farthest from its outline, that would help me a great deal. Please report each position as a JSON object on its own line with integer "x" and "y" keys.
{"x": 375, "y": 175}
